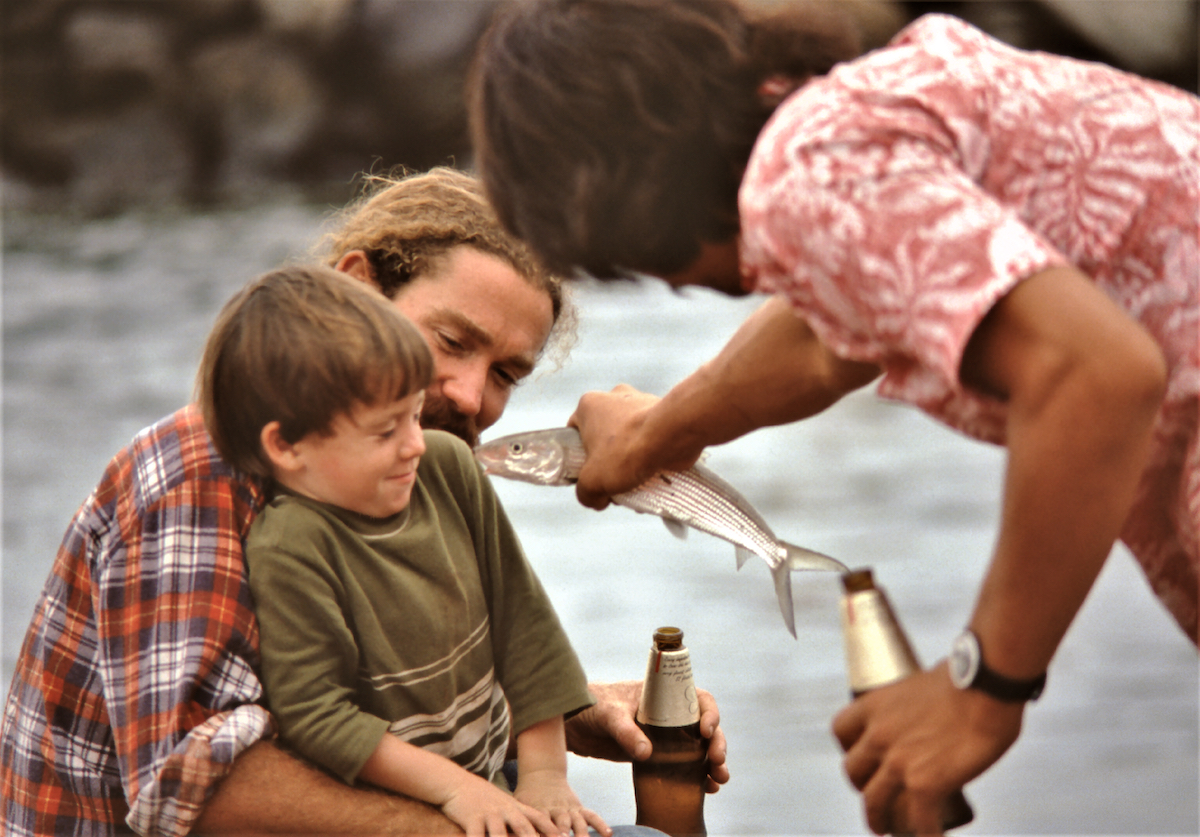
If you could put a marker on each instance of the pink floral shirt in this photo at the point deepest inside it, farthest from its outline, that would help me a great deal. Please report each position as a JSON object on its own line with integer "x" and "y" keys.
{"x": 894, "y": 201}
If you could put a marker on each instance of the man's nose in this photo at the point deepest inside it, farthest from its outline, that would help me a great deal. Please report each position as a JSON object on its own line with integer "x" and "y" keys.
{"x": 465, "y": 387}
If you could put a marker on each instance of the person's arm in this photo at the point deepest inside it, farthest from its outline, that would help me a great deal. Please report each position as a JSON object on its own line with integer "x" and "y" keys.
{"x": 774, "y": 370}
{"x": 542, "y": 778}
{"x": 473, "y": 802}
{"x": 607, "y": 729}
{"x": 270, "y": 790}
{"x": 167, "y": 553}
{"x": 1083, "y": 383}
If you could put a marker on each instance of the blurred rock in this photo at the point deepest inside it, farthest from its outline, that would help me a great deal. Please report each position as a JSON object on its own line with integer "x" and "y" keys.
{"x": 109, "y": 103}
{"x": 1152, "y": 38}
{"x": 320, "y": 20}
{"x": 261, "y": 100}
{"x": 106, "y": 103}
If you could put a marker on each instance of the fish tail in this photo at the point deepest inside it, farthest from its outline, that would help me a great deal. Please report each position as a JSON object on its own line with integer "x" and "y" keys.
{"x": 783, "y": 592}
{"x": 800, "y": 558}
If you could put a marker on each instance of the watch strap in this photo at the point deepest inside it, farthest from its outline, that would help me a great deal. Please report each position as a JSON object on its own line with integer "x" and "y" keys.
{"x": 996, "y": 685}
{"x": 1006, "y": 688}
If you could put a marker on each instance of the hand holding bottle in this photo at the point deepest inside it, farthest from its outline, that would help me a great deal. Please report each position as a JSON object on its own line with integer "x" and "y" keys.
{"x": 608, "y": 729}
{"x": 933, "y": 739}
{"x": 901, "y": 794}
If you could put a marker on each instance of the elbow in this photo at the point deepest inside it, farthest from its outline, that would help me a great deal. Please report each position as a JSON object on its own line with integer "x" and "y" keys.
{"x": 1115, "y": 389}
{"x": 1141, "y": 377}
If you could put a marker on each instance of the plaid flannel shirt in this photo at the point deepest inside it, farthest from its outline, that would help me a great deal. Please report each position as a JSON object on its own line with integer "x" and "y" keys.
{"x": 136, "y": 687}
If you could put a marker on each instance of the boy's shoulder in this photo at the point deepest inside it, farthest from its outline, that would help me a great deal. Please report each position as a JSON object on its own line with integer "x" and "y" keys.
{"x": 445, "y": 448}
{"x": 286, "y": 517}
{"x": 448, "y": 460}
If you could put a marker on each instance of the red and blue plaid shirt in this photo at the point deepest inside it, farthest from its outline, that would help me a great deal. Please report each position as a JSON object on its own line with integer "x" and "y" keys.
{"x": 136, "y": 686}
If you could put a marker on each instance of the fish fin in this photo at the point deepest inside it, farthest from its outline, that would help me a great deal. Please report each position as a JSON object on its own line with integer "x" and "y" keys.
{"x": 676, "y": 528}
{"x": 783, "y": 592}
{"x": 743, "y": 555}
{"x": 799, "y": 558}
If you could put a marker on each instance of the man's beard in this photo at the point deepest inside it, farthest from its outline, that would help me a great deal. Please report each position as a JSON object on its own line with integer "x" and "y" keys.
{"x": 440, "y": 414}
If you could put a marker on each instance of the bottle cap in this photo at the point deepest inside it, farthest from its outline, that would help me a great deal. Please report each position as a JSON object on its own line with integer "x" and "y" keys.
{"x": 668, "y": 639}
{"x": 855, "y": 581}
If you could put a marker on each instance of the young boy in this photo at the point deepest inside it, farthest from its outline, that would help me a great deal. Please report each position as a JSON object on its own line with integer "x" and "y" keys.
{"x": 391, "y": 592}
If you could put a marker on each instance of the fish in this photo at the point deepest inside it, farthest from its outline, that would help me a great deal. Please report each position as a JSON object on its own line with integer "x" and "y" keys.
{"x": 696, "y": 498}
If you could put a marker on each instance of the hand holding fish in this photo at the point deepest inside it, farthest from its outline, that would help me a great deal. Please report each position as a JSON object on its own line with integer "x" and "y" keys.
{"x": 695, "y": 498}
{"x": 773, "y": 371}
{"x": 609, "y": 423}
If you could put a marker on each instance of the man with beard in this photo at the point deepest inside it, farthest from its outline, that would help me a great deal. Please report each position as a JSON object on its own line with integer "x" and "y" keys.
{"x": 136, "y": 703}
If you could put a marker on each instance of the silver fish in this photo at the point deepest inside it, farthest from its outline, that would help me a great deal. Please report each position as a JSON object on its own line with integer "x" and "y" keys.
{"x": 696, "y": 497}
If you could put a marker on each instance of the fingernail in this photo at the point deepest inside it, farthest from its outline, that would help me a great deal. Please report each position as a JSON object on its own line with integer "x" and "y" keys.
{"x": 642, "y": 750}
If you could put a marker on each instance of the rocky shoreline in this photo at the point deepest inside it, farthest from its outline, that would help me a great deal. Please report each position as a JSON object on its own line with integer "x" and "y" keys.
{"x": 146, "y": 101}
{"x": 108, "y": 104}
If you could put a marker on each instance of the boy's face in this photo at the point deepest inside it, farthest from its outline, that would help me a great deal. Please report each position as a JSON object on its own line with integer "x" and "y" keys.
{"x": 369, "y": 462}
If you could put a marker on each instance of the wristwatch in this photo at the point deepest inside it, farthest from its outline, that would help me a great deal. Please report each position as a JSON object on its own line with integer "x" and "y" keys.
{"x": 967, "y": 671}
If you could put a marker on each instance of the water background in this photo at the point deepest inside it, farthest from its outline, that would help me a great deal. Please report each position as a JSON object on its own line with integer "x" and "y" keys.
{"x": 102, "y": 327}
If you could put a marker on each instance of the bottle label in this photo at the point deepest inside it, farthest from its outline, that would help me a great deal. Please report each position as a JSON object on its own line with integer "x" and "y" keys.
{"x": 668, "y": 694}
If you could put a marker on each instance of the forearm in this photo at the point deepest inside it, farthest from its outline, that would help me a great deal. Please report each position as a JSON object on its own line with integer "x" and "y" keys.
{"x": 774, "y": 370}
{"x": 1083, "y": 384}
{"x": 1068, "y": 490}
{"x": 542, "y": 747}
{"x": 410, "y": 770}
{"x": 271, "y": 791}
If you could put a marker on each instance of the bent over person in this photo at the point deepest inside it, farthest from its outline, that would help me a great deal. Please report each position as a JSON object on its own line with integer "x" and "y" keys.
{"x": 136, "y": 701}
{"x": 1008, "y": 240}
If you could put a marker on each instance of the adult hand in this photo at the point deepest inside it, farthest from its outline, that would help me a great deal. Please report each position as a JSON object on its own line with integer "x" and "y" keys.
{"x": 911, "y": 745}
{"x": 619, "y": 457}
{"x": 607, "y": 730}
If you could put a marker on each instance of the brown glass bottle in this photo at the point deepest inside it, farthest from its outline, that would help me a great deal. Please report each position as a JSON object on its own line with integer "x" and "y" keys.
{"x": 668, "y": 787}
{"x": 879, "y": 653}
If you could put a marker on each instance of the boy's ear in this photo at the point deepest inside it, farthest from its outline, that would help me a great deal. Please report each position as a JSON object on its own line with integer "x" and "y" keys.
{"x": 281, "y": 453}
{"x": 355, "y": 263}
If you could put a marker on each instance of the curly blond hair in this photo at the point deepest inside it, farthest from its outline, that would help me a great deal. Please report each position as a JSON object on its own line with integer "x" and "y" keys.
{"x": 406, "y": 222}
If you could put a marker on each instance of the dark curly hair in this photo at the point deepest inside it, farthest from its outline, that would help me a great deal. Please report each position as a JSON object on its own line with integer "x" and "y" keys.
{"x": 612, "y": 135}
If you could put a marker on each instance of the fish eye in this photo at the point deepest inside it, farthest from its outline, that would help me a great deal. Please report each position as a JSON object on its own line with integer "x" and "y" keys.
{"x": 515, "y": 447}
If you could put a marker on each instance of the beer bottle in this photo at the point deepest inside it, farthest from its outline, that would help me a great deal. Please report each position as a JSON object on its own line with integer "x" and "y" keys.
{"x": 668, "y": 787}
{"x": 879, "y": 653}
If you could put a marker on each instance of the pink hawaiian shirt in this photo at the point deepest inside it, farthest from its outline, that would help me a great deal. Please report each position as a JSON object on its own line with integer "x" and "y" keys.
{"x": 896, "y": 199}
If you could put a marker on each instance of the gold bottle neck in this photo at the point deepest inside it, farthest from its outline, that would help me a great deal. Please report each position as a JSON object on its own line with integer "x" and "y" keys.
{"x": 877, "y": 651}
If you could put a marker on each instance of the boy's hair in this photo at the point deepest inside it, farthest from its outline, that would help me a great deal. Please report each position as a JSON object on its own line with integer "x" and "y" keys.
{"x": 612, "y": 135}
{"x": 405, "y": 224}
{"x": 300, "y": 345}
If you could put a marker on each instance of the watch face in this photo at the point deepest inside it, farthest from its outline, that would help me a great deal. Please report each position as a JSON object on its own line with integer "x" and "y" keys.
{"x": 964, "y": 660}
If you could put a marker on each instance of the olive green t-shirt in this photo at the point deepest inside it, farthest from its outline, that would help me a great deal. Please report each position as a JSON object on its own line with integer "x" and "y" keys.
{"x": 429, "y": 624}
